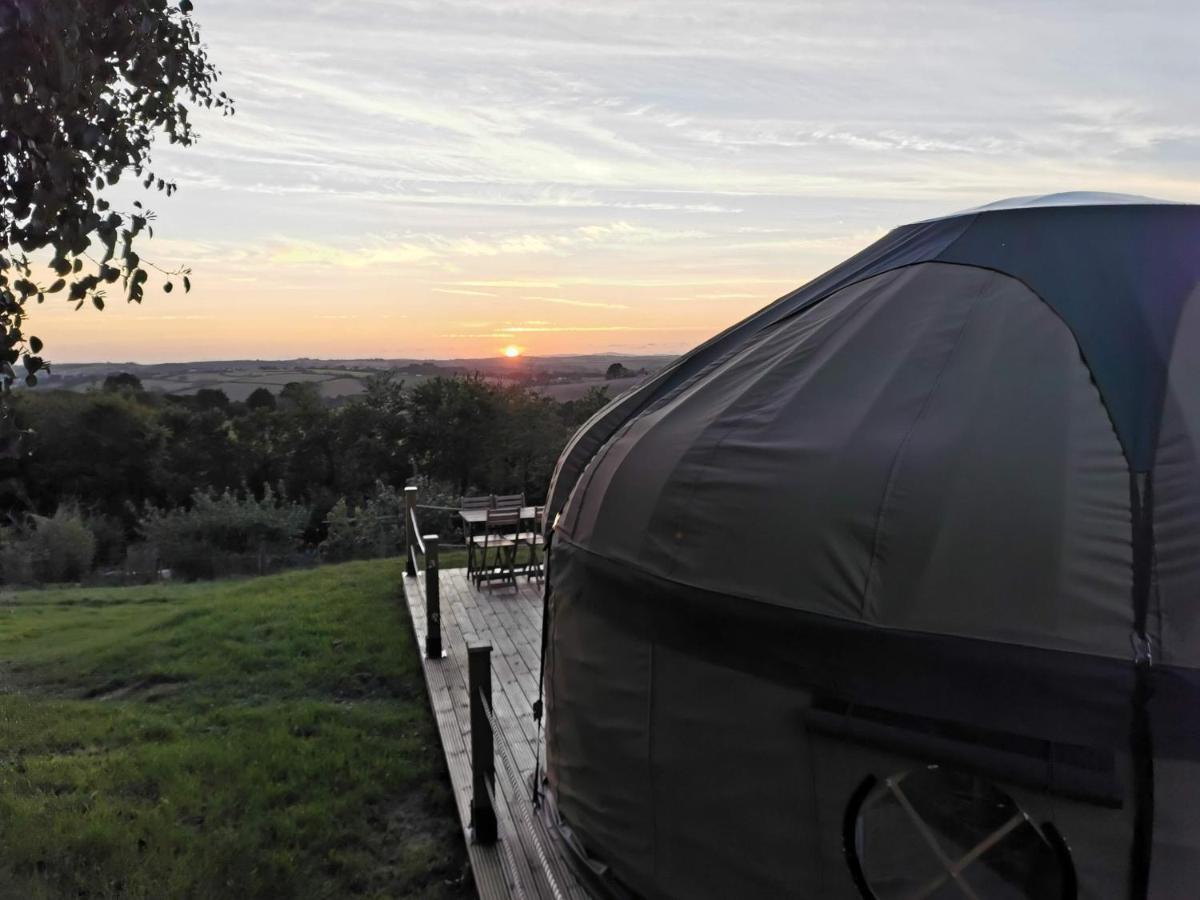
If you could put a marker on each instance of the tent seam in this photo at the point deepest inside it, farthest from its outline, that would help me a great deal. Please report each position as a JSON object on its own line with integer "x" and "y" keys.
{"x": 894, "y": 470}
{"x": 1160, "y": 613}
{"x": 732, "y": 427}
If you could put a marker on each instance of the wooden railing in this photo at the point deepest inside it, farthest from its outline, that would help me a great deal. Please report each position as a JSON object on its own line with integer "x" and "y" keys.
{"x": 507, "y": 803}
{"x": 425, "y": 546}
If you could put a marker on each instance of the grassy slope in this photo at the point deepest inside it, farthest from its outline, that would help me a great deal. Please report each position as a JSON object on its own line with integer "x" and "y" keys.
{"x": 260, "y": 738}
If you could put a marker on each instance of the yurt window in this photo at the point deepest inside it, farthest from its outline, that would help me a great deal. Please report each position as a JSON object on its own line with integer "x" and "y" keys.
{"x": 944, "y": 835}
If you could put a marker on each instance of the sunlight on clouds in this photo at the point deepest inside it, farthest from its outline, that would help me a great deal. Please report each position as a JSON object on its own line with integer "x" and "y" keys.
{"x": 424, "y": 163}
{"x": 437, "y": 249}
{"x": 464, "y": 293}
{"x": 585, "y": 303}
{"x": 574, "y": 329}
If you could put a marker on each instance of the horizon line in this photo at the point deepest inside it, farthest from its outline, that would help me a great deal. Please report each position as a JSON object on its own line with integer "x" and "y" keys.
{"x": 374, "y": 359}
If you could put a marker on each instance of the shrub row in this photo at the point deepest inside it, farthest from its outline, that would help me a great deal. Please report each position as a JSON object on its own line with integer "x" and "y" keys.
{"x": 216, "y": 535}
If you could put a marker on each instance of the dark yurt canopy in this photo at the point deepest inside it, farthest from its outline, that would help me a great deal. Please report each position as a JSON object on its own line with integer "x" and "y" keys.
{"x": 955, "y": 480}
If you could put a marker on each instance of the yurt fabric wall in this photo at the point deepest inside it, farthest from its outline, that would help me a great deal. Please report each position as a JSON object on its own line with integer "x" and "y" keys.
{"x": 885, "y": 457}
{"x": 949, "y": 489}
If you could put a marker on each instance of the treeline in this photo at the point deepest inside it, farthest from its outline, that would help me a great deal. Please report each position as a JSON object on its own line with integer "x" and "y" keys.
{"x": 130, "y": 479}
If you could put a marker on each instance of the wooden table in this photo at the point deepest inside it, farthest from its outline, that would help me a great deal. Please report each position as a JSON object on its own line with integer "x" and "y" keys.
{"x": 474, "y": 517}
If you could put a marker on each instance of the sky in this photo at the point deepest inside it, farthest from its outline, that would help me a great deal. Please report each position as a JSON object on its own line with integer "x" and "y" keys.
{"x": 443, "y": 179}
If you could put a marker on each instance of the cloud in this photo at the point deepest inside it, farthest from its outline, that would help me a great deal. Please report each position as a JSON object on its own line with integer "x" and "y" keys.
{"x": 462, "y": 293}
{"x": 653, "y": 153}
{"x": 586, "y": 303}
{"x": 508, "y": 283}
{"x": 507, "y": 330}
{"x": 437, "y": 249}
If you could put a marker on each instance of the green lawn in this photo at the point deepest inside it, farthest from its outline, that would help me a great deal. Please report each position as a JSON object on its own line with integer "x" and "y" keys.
{"x": 260, "y": 738}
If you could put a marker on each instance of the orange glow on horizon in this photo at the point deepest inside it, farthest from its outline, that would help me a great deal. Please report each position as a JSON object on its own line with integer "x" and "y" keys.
{"x": 512, "y": 351}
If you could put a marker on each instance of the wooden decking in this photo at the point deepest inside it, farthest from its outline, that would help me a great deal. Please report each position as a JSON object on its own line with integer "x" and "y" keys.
{"x": 525, "y": 861}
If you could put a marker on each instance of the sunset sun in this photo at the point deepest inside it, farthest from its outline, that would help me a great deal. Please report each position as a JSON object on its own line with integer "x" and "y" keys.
{"x": 512, "y": 351}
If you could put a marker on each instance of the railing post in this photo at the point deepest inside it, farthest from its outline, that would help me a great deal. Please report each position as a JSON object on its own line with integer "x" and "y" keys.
{"x": 410, "y": 509}
{"x": 483, "y": 752}
{"x": 433, "y": 600}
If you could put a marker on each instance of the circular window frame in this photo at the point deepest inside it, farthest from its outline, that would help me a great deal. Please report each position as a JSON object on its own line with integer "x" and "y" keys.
{"x": 854, "y": 806}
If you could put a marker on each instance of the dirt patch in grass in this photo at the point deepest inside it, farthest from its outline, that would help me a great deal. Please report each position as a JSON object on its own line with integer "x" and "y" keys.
{"x": 149, "y": 689}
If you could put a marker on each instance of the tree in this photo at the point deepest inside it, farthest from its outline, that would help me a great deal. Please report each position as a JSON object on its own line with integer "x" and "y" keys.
{"x": 369, "y": 446}
{"x": 616, "y": 370}
{"x": 301, "y": 396}
{"x": 452, "y": 428}
{"x": 576, "y": 412}
{"x": 531, "y": 437}
{"x": 211, "y": 398}
{"x": 200, "y": 451}
{"x": 103, "y": 449}
{"x": 88, "y": 85}
{"x": 260, "y": 398}
{"x": 122, "y": 381}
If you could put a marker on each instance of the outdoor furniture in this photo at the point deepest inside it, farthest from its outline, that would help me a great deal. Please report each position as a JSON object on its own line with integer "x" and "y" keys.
{"x": 496, "y": 547}
{"x": 480, "y": 504}
{"x": 474, "y": 522}
{"x": 534, "y": 540}
{"x": 510, "y": 502}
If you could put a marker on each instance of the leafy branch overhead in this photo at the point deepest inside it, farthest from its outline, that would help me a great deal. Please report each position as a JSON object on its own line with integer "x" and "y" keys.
{"x": 87, "y": 86}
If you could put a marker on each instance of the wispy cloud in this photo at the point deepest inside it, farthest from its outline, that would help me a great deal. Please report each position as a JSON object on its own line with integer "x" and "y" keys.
{"x": 585, "y": 303}
{"x": 624, "y": 157}
{"x": 508, "y": 331}
{"x": 463, "y": 293}
{"x": 510, "y": 283}
{"x": 437, "y": 249}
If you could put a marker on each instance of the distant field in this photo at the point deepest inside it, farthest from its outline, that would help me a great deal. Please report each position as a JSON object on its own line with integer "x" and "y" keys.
{"x": 563, "y": 378}
{"x": 262, "y": 738}
{"x": 240, "y": 384}
{"x": 576, "y": 389}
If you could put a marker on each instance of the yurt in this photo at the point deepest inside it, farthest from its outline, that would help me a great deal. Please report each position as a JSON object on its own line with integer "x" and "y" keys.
{"x": 892, "y": 590}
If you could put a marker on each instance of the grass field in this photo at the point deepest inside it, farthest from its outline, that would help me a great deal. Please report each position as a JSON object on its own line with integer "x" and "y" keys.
{"x": 246, "y": 739}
